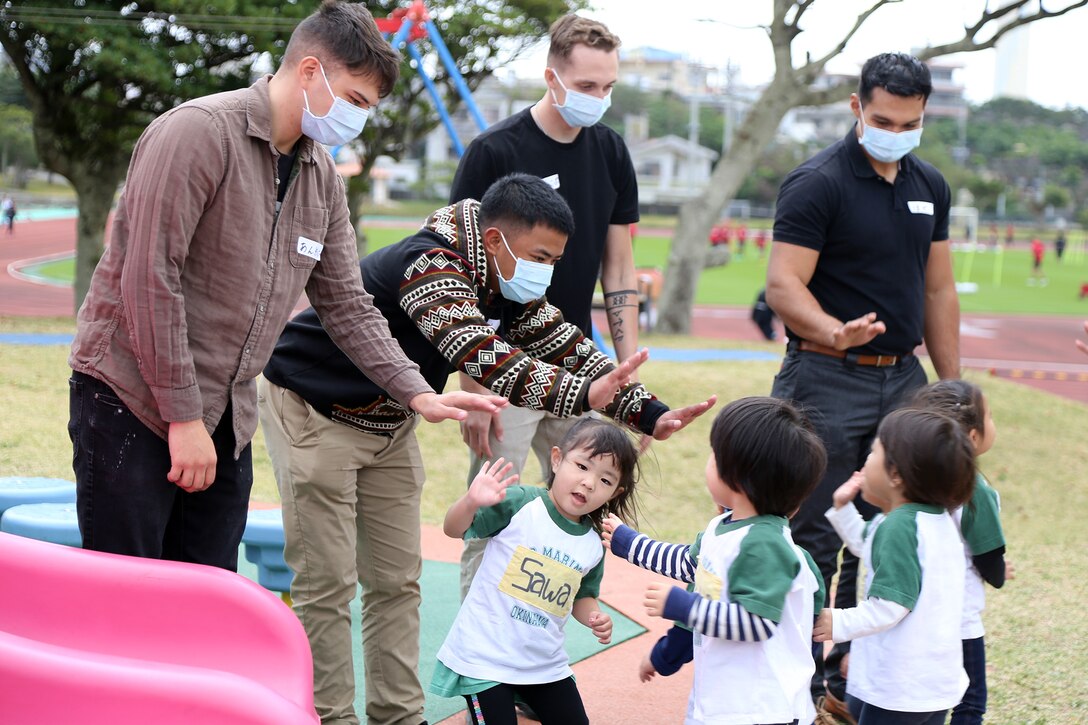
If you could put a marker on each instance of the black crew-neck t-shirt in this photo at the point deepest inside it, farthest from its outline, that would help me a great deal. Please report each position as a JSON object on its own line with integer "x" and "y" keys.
{"x": 594, "y": 174}
{"x": 873, "y": 237}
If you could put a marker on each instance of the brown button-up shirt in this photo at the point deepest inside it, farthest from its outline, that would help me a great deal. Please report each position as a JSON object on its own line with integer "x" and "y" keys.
{"x": 203, "y": 269}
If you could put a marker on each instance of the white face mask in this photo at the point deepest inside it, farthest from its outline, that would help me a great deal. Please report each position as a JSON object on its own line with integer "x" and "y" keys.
{"x": 341, "y": 124}
{"x": 581, "y": 109}
{"x": 886, "y": 146}
{"x": 530, "y": 280}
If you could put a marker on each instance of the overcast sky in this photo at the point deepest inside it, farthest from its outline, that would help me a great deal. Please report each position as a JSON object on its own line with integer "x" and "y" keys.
{"x": 716, "y": 32}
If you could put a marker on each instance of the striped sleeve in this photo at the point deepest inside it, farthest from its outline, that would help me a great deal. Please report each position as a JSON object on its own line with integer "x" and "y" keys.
{"x": 671, "y": 560}
{"x": 720, "y": 619}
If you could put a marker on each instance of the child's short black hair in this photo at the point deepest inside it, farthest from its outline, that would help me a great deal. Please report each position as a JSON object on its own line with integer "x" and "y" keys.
{"x": 931, "y": 454}
{"x": 603, "y": 438}
{"x": 768, "y": 450}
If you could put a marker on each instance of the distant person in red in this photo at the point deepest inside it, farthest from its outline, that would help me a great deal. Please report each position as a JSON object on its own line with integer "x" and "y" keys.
{"x": 1037, "y": 276}
{"x": 719, "y": 234}
{"x": 1009, "y": 233}
{"x": 761, "y": 241}
{"x": 742, "y": 239}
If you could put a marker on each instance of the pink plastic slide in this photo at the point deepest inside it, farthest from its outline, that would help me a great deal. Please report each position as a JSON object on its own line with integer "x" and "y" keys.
{"x": 102, "y": 639}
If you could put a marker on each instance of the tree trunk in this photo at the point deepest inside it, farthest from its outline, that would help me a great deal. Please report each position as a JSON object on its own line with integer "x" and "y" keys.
{"x": 358, "y": 186}
{"x": 94, "y": 199}
{"x": 687, "y": 253}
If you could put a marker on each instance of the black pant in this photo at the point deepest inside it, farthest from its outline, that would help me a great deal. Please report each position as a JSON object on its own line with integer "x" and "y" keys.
{"x": 124, "y": 501}
{"x": 555, "y": 703}
{"x": 973, "y": 706}
{"x": 846, "y": 403}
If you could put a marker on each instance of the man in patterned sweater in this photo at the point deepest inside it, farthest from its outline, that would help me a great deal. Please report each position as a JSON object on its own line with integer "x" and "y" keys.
{"x": 345, "y": 456}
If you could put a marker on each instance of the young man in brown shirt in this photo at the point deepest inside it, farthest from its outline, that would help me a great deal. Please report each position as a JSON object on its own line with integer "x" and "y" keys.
{"x": 230, "y": 211}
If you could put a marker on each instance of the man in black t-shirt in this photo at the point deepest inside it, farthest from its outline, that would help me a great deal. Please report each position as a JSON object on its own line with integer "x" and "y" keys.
{"x": 561, "y": 140}
{"x": 861, "y": 273}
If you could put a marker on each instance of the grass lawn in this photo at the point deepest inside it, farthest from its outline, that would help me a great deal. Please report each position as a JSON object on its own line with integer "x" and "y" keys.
{"x": 1037, "y": 670}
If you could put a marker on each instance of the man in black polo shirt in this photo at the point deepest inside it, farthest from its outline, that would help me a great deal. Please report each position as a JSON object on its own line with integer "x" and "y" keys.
{"x": 861, "y": 273}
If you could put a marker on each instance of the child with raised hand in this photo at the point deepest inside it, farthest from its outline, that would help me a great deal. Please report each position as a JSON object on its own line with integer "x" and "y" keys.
{"x": 756, "y": 592}
{"x": 906, "y": 663}
{"x": 543, "y": 562}
{"x": 980, "y": 525}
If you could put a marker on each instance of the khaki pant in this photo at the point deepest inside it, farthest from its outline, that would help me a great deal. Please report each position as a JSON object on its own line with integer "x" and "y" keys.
{"x": 523, "y": 429}
{"x": 351, "y": 514}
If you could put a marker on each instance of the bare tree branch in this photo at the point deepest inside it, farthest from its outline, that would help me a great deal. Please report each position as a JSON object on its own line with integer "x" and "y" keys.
{"x": 968, "y": 44}
{"x": 802, "y": 6}
{"x": 830, "y": 94}
{"x": 817, "y": 65}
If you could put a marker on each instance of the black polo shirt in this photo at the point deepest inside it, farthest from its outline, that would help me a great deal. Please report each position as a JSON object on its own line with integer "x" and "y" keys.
{"x": 873, "y": 237}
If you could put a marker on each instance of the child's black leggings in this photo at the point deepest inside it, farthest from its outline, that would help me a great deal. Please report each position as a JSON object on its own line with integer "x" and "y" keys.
{"x": 556, "y": 703}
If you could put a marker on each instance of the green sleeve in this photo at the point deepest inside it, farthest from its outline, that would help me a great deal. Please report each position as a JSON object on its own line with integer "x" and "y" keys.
{"x": 493, "y": 519}
{"x": 762, "y": 574}
{"x": 981, "y": 520}
{"x": 897, "y": 572}
{"x": 694, "y": 551}
{"x": 591, "y": 582}
{"x": 819, "y": 597}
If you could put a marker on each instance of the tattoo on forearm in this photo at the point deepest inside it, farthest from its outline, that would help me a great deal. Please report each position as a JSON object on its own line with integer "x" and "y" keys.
{"x": 615, "y": 303}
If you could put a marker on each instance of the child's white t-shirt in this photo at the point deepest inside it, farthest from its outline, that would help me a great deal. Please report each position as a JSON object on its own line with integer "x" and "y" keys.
{"x": 914, "y": 558}
{"x": 536, "y": 563}
{"x": 755, "y": 563}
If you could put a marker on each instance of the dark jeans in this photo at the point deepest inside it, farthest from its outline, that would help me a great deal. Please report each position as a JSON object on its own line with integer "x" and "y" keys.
{"x": 846, "y": 403}
{"x": 973, "y": 706}
{"x": 125, "y": 503}
{"x": 867, "y": 714}
{"x": 554, "y": 703}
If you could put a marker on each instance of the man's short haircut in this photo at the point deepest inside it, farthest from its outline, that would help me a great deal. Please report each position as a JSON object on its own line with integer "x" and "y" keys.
{"x": 768, "y": 450}
{"x": 897, "y": 73}
{"x": 521, "y": 201}
{"x": 344, "y": 34}
{"x": 571, "y": 30}
{"x": 932, "y": 455}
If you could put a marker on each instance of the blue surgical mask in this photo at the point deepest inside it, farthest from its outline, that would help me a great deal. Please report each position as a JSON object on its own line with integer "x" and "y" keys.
{"x": 340, "y": 125}
{"x": 581, "y": 109}
{"x": 530, "y": 280}
{"x": 886, "y": 146}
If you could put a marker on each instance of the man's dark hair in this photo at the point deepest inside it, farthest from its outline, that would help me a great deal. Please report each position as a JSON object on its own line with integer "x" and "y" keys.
{"x": 522, "y": 201}
{"x": 898, "y": 73}
{"x": 767, "y": 449}
{"x": 344, "y": 34}
{"x": 932, "y": 455}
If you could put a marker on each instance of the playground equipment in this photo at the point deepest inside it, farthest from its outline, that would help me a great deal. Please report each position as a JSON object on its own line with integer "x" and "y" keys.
{"x": 97, "y": 638}
{"x": 407, "y": 25}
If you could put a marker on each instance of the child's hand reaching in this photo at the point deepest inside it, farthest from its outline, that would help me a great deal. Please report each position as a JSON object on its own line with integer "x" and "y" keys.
{"x": 821, "y": 631}
{"x": 601, "y": 624}
{"x": 489, "y": 486}
{"x": 656, "y": 594}
{"x": 646, "y": 671}
{"x": 608, "y": 527}
{"x": 846, "y": 493}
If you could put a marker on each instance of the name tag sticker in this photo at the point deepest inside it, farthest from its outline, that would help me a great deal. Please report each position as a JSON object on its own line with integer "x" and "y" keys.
{"x": 541, "y": 582}
{"x": 920, "y": 207}
{"x": 309, "y": 248}
{"x": 552, "y": 181}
